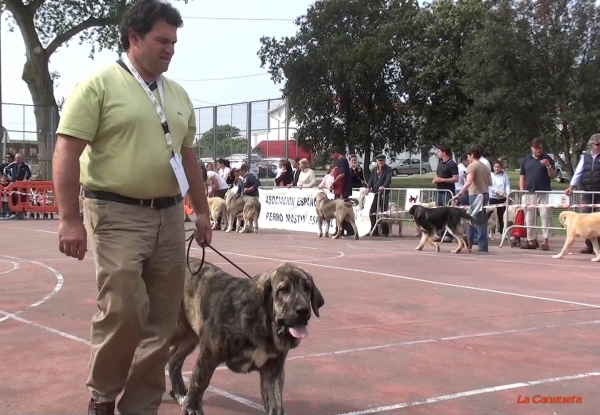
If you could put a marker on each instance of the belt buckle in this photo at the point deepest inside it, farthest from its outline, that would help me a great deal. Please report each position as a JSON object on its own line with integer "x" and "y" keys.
{"x": 152, "y": 203}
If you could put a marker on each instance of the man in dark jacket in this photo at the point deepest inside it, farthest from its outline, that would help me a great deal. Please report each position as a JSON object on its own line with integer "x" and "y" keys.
{"x": 381, "y": 178}
{"x": 586, "y": 177}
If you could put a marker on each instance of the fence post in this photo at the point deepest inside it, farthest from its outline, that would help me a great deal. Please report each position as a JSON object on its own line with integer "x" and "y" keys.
{"x": 215, "y": 109}
{"x": 249, "y": 133}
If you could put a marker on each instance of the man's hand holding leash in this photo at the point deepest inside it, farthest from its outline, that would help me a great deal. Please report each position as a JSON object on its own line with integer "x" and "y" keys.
{"x": 197, "y": 196}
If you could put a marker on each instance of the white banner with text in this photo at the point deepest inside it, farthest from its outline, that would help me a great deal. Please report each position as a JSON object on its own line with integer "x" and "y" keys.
{"x": 294, "y": 210}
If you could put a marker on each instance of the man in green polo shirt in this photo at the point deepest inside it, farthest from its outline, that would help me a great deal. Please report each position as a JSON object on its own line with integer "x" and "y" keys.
{"x": 134, "y": 172}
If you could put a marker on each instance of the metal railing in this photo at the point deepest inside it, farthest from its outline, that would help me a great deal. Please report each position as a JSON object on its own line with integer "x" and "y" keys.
{"x": 545, "y": 206}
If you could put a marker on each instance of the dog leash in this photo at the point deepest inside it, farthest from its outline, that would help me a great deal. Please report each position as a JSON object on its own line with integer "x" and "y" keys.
{"x": 191, "y": 239}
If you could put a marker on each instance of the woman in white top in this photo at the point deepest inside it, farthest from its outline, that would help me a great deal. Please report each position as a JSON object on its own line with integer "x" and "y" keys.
{"x": 327, "y": 181}
{"x": 306, "y": 178}
{"x": 218, "y": 186}
{"x": 499, "y": 191}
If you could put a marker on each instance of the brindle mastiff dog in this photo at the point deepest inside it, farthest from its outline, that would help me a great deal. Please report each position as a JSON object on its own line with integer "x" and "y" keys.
{"x": 249, "y": 324}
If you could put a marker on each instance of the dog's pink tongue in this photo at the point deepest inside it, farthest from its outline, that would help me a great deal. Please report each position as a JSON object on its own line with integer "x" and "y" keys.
{"x": 298, "y": 332}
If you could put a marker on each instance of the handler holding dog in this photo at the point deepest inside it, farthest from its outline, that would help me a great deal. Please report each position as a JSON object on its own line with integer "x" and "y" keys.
{"x": 134, "y": 173}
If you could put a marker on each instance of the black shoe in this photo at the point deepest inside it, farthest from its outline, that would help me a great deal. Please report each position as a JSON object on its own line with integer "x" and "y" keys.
{"x": 101, "y": 408}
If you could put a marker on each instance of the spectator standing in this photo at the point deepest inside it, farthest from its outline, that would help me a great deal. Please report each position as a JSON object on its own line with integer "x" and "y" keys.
{"x": 357, "y": 175}
{"x": 499, "y": 191}
{"x": 306, "y": 178}
{"x": 462, "y": 178}
{"x": 446, "y": 175}
{"x": 286, "y": 177}
{"x": 17, "y": 171}
{"x": 586, "y": 177}
{"x": 381, "y": 179}
{"x": 537, "y": 171}
{"x": 296, "y": 169}
{"x": 9, "y": 158}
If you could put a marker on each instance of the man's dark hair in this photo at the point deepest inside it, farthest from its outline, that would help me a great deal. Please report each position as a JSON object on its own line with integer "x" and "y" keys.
{"x": 142, "y": 16}
{"x": 337, "y": 149}
{"x": 475, "y": 151}
{"x": 538, "y": 142}
{"x": 465, "y": 156}
{"x": 446, "y": 149}
{"x": 245, "y": 167}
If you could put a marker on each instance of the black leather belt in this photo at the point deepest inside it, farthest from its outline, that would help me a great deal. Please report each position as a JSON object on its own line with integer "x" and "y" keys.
{"x": 158, "y": 203}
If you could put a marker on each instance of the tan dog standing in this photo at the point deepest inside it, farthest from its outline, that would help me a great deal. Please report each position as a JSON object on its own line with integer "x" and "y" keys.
{"x": 582, "y": 225}
{"x": 246, "y": 208}
{"x": 217, "y": 209}
{"x": 338, "y": 209}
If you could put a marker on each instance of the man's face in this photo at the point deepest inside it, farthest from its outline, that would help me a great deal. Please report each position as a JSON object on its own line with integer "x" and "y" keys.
{"x": 596, "y": 148}
{"x": 335, "y": 155}
{"x": 380, "y": 162}
{"x": 353, "y": 161}
{"x": 8, "y": 158}
{"x": 155, "y": 50}
{"x": 19, "y": 158}
{"x": 537, "y": 151}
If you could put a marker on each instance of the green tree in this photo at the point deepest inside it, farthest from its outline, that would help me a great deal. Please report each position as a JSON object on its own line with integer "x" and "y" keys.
{"x": 229, "y": 141}
{"x": 338, "y": 71}
{"x": 436, "y": 100}
{"x": 45, "y": 26}
{"x": 532, "y": 71}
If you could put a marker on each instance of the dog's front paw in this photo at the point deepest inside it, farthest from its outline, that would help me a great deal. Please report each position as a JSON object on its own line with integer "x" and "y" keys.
{"x": 189, "y": 411}
{"x": 596, "y": 259}
{"x": 180, "y": 399}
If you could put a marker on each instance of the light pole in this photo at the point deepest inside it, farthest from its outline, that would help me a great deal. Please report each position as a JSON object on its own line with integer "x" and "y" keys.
{"x": 2, "y": 134}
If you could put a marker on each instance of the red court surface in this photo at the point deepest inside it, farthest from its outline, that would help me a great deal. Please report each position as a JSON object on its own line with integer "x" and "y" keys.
{"x": 401, "y": 332}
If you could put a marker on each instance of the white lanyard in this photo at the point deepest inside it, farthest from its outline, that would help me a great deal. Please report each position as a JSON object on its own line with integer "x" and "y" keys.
{"x": 159, "y": 109}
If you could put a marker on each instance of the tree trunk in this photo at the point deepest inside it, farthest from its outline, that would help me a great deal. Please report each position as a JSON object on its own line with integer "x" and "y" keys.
{"x": 36, "y": 75}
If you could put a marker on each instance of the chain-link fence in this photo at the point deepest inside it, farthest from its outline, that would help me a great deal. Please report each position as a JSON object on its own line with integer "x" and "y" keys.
{"x": 21, "y": 135}
{"x": 258, "y": 131}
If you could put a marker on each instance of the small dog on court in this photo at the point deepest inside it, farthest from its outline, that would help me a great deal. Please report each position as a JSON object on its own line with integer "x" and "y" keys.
{"x": 248, "y": 324}
{"x": 432, "y": 220}
{"x": 246, "y": 208}
{"x": 492, "y": 221}
{"x": 338, "y": 209}
{"x": 582, "y": 225}
{"x": 217, "y": 210}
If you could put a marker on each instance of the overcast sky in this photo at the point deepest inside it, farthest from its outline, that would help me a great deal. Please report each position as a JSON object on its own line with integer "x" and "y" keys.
{"x": 206, "y": 49}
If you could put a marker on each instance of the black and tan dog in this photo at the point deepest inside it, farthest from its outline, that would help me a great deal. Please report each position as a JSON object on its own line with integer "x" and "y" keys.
{"x": 248, "y": 324}
{"x": 432, "y": 220}
{"x": 339, "y": 210}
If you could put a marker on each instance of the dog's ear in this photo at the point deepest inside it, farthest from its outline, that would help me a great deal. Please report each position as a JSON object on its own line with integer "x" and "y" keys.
{"x": 316, "y": 298}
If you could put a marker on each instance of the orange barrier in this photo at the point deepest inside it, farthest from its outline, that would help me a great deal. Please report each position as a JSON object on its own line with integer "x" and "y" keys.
{"x": 31, "y": 197}
{"x": 187, "y": 207}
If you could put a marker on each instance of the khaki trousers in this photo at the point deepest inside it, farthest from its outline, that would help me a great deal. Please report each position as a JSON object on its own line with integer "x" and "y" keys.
{"x": 139, "y": 254}
{"x": 531, "y": 215}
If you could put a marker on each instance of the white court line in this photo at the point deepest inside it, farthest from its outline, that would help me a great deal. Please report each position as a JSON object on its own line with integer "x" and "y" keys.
{"x": 483, "y": 257}
{"x": 59, "y": 283}
{"x": 446, "y": 284}
{"x": 471, "y": 393}
{"x": 424, "y": 341}
{"x": 15, "y": 266}
{"x": 45, "y": 231}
